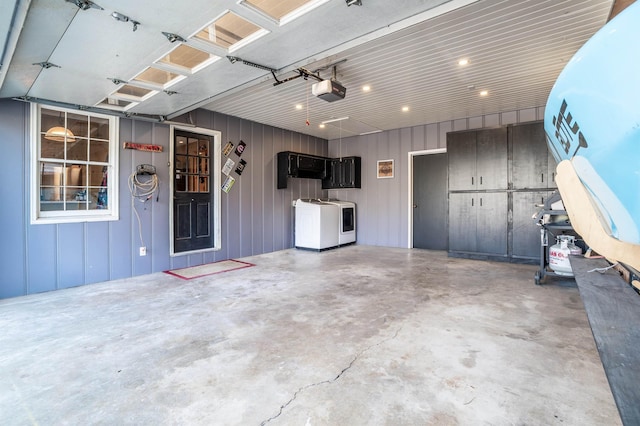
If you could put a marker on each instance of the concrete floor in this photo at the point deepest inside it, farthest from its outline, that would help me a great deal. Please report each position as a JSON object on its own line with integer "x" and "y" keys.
{"x": 354, "y": 336}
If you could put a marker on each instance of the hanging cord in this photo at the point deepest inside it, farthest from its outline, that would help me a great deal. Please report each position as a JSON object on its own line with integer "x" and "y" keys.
{"x": 142, "y": 191}
{"x": 603, "y": 270}
{"x": 307, "y": 91}
{"x": 340, "y": 143}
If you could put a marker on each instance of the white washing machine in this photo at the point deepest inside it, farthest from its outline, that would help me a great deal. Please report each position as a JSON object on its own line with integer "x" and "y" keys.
{"x": 316, "y": 225}
{"x": 346, "y": 221}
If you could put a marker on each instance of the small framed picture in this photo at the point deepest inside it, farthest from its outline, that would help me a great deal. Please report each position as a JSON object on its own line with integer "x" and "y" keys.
{"x": 385, "y": 169}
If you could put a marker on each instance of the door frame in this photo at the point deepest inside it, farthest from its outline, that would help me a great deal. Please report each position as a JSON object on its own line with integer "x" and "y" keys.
{"x": 216, "y": 169}
{"x": 412, "y": 154}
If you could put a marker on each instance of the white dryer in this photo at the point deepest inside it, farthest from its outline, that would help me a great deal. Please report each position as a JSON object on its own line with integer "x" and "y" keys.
{"x": 346, "y": 221}
{"x": 316, "y": 226}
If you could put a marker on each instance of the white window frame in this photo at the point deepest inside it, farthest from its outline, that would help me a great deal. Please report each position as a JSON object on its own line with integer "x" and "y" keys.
{"x": 70, "y": 216}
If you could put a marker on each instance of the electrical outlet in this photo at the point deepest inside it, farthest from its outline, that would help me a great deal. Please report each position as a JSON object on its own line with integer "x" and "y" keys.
{"x": 143, "y": 251}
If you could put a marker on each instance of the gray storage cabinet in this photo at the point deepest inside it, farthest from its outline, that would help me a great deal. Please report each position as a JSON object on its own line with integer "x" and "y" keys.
{"x": 477, "y": 160}
{"x": 533, "y": 166}
{"x": 497, "y": 177}
{"x": 478, "y": 223}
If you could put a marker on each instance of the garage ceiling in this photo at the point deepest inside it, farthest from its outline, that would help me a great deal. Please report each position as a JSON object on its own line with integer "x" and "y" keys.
{"x": 407, "y": 52}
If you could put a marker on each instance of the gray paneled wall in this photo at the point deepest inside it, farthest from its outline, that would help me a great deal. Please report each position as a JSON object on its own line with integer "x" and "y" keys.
{"x": 256, "y": 217}
{"x": 382, "y": 212}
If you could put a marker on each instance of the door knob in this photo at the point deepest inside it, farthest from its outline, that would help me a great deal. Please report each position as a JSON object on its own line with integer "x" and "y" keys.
{"x": 415, "y": 206}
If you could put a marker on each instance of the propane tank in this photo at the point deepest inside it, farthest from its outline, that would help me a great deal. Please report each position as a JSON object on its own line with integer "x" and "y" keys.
{"x": 559, "y": 254}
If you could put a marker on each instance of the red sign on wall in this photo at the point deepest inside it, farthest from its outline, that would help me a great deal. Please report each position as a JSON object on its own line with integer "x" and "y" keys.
{"x": 142, "y": 147}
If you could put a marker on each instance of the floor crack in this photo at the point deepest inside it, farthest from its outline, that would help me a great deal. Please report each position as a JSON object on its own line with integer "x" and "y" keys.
{"x": 344, "y": 370}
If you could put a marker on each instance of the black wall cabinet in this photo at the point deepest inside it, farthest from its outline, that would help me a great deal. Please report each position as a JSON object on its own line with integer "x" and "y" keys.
{"x": 335, "y": 173}
{"x": 343, "y": 173}
{"x": 497, "y": 178}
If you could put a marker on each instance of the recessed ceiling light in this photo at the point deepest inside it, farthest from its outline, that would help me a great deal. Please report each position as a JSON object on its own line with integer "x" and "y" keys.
{"x": 299, "y": 106}
{"x": 322, "y": 125}
{"x": 484, "y": 93}
{"x": 463, "y": 62}
{"x": 366, "y": 88}
{"x": 405, "y": 108}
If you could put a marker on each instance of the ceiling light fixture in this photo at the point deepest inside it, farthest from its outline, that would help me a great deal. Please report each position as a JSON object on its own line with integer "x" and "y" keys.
{"x": 463, "y": 62}
{"x": 334, "y": 120}
{"x": 354, "y": 2}
{"x": 484, "y": 93}
{"x": 366, "y": 88}
{"x": 299, "y": 106}
{"x": 85, "y": 4}
{"x": 59, "y": 134}
{"x": 405, "y": 109}
{"x": 173, "y": 37}
{"x": 124, "y": 18}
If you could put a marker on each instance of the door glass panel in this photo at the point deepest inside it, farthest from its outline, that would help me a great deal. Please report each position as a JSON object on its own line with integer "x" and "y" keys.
{"x": 192, "y": 165}
{"x": 193, "y": 183}
{"x": 204, "y": 166}
{"x": 204, "y": 184}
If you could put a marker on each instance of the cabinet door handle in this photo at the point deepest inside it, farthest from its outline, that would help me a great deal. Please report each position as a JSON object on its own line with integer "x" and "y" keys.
{"x": 480, "y": 202}
{"x": 472, "y": 202}
{"x": 553, "y": 177}
{"x": 542, "y": 177}
{"x": 471, "y": 180}
{"x": 480, "y": 180}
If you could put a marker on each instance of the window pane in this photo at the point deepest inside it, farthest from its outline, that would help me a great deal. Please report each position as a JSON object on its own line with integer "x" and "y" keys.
{"x": 51, "y": 180}
{"x": 50, "y": 118}
{"x": 193, "y": 183}
{"x": 76, "y": 175}
{"x": 187, "y": 57}
{"x": 99, "y": 151}
{"x": 203, "y": 148}
{"x": 51, "y": 149}
{"x": 204, "y": 166}
{"x": 75, "y": 193}
{"x": 99, "y": 128}
{"x": 156, "y": 76}
{"x": 277, "y": 9}
{"x": 137, "y": 92}
{"x": 228, "y": 30}
{"x": 98, "y": 199}
{"x": 78, "y": 125}
{"x": 118, "y": 104}
{"x": 193, "y": 146}
{"x": 98, "y": 175}
{"x": 77, "y": 150}
{"x": 181, "y": 147}
{"x": 192, "y": 166}
{"x": 181, "y": 163}
{"x": 181, "y": 182}
{"x": 204, "y": 184}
